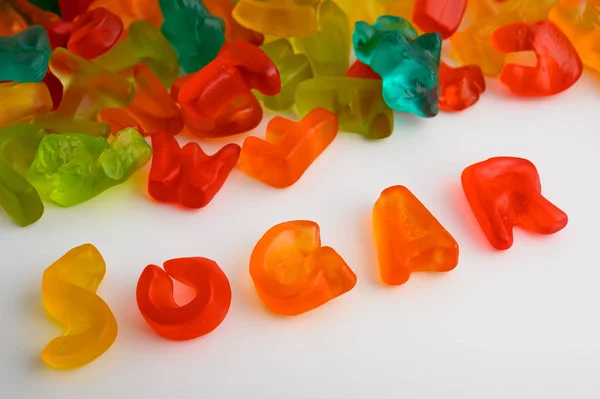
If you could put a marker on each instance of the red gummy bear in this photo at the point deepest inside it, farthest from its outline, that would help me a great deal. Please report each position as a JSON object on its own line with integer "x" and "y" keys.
{"x": 94, "y": 32}
{"x": 55, "y": 87}
{"x": 70, "y": 9}
{"x": 362, "y": 71}
{"x": 217, "y": 100}
{"x": 505, "y": 192}
{"x": 460, "y": 87}
{"x": 558, "y": 64}
{"x": 199, "y": 317}
{"x": 187, "y": 175}
{"x": 441, "y": 16}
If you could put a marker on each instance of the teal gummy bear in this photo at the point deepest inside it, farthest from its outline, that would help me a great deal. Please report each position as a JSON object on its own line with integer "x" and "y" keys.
{"x": 24, "y": 56}
{"x": 72, "y": 168}
{"x": 18, "y": 198}
{"x": 408, "y": 63}
{"x": 194, "y": 33}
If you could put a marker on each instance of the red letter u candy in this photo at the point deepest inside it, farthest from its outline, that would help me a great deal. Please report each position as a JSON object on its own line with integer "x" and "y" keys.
{"x": 504, "y": 192}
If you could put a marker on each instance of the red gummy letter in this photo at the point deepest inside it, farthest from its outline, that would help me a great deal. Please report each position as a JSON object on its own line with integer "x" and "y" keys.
{"x": 441, "y": 16}
{"x": 217, "y": 100}
{"x": 558, "y": 64}
{"x": 187, "y": 175}
{"x": 199, "y": 317}
{"x": 460, "y": 87}
{"x": 504, "y": 192}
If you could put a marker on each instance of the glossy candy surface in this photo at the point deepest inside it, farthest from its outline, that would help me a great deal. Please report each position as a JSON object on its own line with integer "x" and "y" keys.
{"x": 21, "y": 102}
{"x": 24, "y": 56}
{"x": 217, "y": 100}
{"x": 409, "y": 238}
{"x": 201, "y": 315}
{"x": 504, "y": 192}
{"x": 187, "y": 175}
{"x": 194, "y": 33}
{"x": 443, "y": 16}
{"x": 293, "y": 273}
{"x": 362, "y": 71}
{"x": 234, "y": 32}
{"x": 279, "y": 18}
{"x": 289, "y": 148}
{"x": 94, "y": 32}
{"x": 132, "y": 10}
{"x": 407, "y": 63}
{"x": 460, "y": 87}
{"x": 72, "y": 168}
{"x": 69, "y": 288}
{"x": 357, "y": 103}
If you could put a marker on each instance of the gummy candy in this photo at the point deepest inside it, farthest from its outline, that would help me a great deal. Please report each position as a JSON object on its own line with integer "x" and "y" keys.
{"x": 279, "y": 18}
{"x": 20, "y": 102}
{"x": 460, "y": 87}
{"x": 72, "y": 168}
{"x": 132, "y": 10}
{"x": 200, "y": 316}
{"x": 24, "y": 56}
{"x": 289, "y": 148}
{"x": 18, "y": 198}
{"x": 580, "y": 21}
{"x": 369, "y": 10}
{"x": 409, "y": 238}
{"x": 293, "y": 273}
{"x": 70, "y": 9}
{"x": 69, "y": 290}
{"x": 361, "y": 70}
{"x": 328, "y": 50}
{"x": 293, "y": 69}
{"x": 504, "y": 192}
{"x": 443, "y": 16}
{"x": 187, "y": 175}
{"x": 144, "y": 44}
{"x": 558, "y": 65}
{"x": 87, "y": 89}
{"x": 216, "y": 101}
{"x": 17, "y": 15}
{"x": 357, "y": 103}
{"x": 408, "y": 63}
{"x": 94, "y": 32}
{"x": 194, "y": 33}
{"x": 152, "y": 109}
{"x": 234, "y": 32}
{"x": 47, "y": 5}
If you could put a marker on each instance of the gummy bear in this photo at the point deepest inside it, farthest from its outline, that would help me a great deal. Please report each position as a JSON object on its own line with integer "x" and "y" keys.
{"x": 328, "y": 50}
{"x": 443, "y": 16}
{"x": 24, "y": 56}
{"x": 72, "y": 168}
{"x": 357, "y": 103}
{"x": 18, "y": 198}
{"x": 199, "y": 317}
{"x": 144, "y": 44}
{"x": 368, "y": 11}
{"x": 362, "y": 71}
{"x": 580, "y": 21}
{"x": 279, "y": 18}
{"x": 195, "y": 33}
{"x": 47, "y": 5}
{"x": 152, "y": 109}
{"x": 70, "y": 9}
{"x": 293, "y": 273}
{"x": 55, "y": 87}
{"x": 558, "y": 64}
{"x": 407, "y": 63}
{"x": 20, "y": 102}
{"x": 217, "y": 101}
{"x": 409, "y": 238}
{"x": 293, "y": 69}
{"x": 504, "y": 192}
{"x": 187, "y": 175}
{"x": 87, "y": 89}
{"x": 69, "y": 288}
{"x": 94, "y": 32}
{"x": 289, "y": 148}
{"x": 460, "y": 87}
{"x": 131, "y": 10}
{"x": 234, "y": 32}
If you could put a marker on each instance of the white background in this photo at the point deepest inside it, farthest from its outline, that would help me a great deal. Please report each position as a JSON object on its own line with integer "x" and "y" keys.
{"x": 516, "y": 324}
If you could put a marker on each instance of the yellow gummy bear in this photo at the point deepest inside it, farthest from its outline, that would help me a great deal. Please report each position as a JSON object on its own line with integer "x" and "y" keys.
{"x": 20, "y": 102}
{"x": 69, "y": 293}
{"x": 369, "y": 10}
{"x": 580, "y": 21}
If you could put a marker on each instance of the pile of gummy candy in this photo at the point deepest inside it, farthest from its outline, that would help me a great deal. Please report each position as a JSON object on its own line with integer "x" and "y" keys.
{"x": 84, "y": 83}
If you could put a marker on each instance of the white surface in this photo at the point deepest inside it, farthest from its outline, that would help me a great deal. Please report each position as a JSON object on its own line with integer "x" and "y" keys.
{"x": 516, "y": 324}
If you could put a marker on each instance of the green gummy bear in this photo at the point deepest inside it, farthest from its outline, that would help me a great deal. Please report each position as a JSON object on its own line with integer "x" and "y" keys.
{"x": 293, "y": 69}
{"x": 193, "y": 31}
{"x": 72, "y": 168}
{"x": 18, "y": 198}
{"x": 357, "y": 103}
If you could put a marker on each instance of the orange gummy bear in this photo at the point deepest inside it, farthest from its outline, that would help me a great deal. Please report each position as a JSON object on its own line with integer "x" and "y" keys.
{"x": 132, "y": 10}
{"x": 289, "y": 148}
{"x": 409, "y": 238}
{"x": 293, "y": 273}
